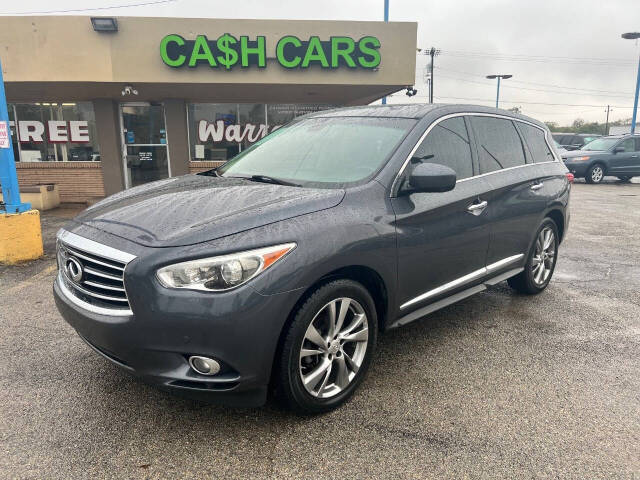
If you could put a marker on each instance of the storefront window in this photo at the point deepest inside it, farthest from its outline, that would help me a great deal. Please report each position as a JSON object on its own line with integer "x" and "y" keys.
{"x": 50, "y": 132}
{"x": 219, "y": 131}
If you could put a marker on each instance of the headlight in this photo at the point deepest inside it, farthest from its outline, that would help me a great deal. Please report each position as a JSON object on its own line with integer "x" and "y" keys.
{"x": 224, "y": 272}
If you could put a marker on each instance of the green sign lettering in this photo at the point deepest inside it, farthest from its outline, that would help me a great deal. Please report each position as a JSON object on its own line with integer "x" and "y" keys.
{"x": 172, "y": 62}
{"x": 228, "y": 51}
{"x": 342, "y": 47}
{"x": 201, "y": 51}
{"x": 260, "y": 50}
{"x": 284, "y": 42}
{"x": 315, "y": 53}
{"x": 370, "y": 57}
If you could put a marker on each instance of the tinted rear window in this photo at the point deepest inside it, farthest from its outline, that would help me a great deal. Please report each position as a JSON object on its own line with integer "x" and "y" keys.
{"x": 448, "y": 144}
{"x": 536, "y": 142}
{"x": 499, "y": 144}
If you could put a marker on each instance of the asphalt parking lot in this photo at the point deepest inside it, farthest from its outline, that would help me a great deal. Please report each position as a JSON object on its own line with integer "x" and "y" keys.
{"x": 498, "y": 386}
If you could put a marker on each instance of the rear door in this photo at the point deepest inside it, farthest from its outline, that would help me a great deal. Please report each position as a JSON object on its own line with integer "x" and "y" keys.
{"x": 442, "y": 237}
{"x": 626, "y": 162}
{"x": 517, "y": 196}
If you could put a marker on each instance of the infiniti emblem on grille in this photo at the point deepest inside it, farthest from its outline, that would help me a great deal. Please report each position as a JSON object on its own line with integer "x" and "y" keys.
{"x": 74, "y": 269}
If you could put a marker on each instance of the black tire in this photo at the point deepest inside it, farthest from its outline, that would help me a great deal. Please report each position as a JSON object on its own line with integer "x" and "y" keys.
{"x": 526, "y": 282}
{"x": 289, "y": 383}
{"x": 624, "y": 178}
{"x": 595, "y": 174}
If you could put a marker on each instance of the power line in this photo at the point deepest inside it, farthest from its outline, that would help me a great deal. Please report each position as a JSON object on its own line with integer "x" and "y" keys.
{"x": 540, "y": 84}
{"x": 537, "y": 89}
{"x": 530, "y": 103}
{"x": 71, "y": 10}
{"x": 540, "y": 58}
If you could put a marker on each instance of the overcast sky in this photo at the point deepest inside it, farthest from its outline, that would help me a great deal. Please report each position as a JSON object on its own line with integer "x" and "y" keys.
{"x": 566, "y": 56}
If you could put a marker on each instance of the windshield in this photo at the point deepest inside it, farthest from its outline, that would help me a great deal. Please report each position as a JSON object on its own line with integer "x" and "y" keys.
{"x": 330, "y": 151}
{"x": 601, "y": 144}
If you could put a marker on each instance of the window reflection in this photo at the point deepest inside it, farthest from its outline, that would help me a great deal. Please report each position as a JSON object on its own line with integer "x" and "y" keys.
{"x": 49, "y": 132}
{"x": 219, "y": 131}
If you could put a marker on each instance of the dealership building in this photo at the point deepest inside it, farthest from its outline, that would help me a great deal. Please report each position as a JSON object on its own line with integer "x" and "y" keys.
{"x": 97, "y": 106}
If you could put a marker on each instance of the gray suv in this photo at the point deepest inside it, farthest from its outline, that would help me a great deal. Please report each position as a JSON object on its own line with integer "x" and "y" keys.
{"x": 616, "y": 155}
{"x": 278, "y": 270}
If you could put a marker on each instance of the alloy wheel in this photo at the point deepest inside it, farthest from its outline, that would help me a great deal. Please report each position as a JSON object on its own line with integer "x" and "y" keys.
{"x": 334, "y": 347}
{"x": 542, "y": 261}
{"x": 596, "y": 174}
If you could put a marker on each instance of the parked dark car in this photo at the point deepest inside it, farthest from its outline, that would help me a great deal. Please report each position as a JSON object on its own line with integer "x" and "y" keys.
{"x": 617, "y": 155}
{"x": 574, "y": 141}
{"x": 281, "y": 267}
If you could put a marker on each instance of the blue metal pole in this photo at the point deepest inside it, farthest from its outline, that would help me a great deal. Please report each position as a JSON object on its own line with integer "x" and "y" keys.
{"x": 635, "y": 101}
{"x": 498, "y": 93}
{"x": 8, "y": 175}
{"x": 386, "y": 19}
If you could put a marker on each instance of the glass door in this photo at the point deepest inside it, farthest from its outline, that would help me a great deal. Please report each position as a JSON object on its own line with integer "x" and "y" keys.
{"x": 144, "y": 143}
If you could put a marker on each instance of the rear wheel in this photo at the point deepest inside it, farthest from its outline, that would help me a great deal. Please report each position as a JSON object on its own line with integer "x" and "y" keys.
{"x": 541, "y": 261}
{"x": 328, "y": 347}
{"x": 595, "y": 174}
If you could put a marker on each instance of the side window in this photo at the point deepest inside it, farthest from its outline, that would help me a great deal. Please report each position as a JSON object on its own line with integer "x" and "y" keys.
{"x": 448, "y": 144}
{"x": 637, "y": 144}
{"x": 536, "y": 142}
{"x": 499, "y": 144}
{"x": 627, "y": 144}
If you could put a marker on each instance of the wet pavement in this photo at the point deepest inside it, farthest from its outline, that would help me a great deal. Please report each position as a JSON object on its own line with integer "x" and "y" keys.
{"x": 498, "y": 386}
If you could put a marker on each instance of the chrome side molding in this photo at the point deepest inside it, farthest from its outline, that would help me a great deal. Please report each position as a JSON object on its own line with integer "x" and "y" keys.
{"x": 463, "y": 280}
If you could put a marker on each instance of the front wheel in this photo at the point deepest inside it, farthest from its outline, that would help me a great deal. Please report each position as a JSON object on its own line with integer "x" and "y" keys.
{"x": 541, "y": 261}
{"x": 595, "y": 174}
{"x": 328, "y": 347}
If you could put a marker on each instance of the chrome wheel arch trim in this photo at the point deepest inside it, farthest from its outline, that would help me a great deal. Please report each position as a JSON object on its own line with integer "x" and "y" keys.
{"x": 463, "y": 280}
{"x": 472, "y": 114}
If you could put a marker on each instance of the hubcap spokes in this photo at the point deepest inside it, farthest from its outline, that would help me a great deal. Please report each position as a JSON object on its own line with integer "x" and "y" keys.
{"x": 596, "y": 174}
{"x": 334, "y": 347}
{"x": 544, "y": 256}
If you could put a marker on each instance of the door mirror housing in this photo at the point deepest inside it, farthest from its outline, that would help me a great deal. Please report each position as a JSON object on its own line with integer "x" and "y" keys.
{"x": 431, "y": 177}
{"x": 618, "y": 150}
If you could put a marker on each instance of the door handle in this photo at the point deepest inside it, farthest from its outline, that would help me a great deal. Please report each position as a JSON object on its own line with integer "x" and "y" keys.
{"x": 537, "y": 186}
{"x": 477, "y": 208}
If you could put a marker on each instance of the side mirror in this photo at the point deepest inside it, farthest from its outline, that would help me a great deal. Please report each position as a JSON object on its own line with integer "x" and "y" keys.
{"x": 618, "y": 150}
{"x": 431, "y": 177}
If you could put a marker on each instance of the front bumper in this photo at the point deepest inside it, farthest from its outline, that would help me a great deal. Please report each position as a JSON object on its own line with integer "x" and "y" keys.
{"x": 240, "y": 329}
{"x": 579, "y": 169}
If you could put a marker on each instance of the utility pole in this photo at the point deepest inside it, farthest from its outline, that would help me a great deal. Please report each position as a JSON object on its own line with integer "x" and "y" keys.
{"x": 498, "y": 90}
{"x": 606, "y": 127}
{"x": 386, "y": 19}
{"x": 634, "y": 36}
{"x": 432, "y": 52}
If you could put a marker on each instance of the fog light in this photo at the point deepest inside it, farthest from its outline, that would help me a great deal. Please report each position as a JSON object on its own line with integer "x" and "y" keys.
{"x": 204, "y": 365}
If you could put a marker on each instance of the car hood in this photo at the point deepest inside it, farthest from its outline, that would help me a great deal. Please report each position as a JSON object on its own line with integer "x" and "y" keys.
{"x": 196, "y": 208}
{"x": 581, "y": 153}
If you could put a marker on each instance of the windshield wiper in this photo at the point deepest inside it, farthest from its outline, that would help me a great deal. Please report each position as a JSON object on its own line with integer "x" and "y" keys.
{"x": 268, "y": 179}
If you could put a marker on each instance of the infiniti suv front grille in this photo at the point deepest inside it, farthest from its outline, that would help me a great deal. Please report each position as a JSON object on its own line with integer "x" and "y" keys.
{"x": 93, "y": 273}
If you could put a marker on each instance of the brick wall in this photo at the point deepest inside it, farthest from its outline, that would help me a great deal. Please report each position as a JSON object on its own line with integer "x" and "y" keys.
{"x": 77, "y": 181}
{"x": 196, "y": 167}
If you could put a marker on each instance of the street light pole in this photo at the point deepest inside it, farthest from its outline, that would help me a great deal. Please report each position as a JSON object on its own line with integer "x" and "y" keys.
{"x": 498, "y": 89}
{"x": 386, "y": 19}
{"x": 634, "y": 36}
